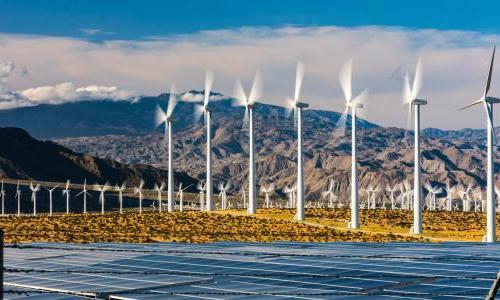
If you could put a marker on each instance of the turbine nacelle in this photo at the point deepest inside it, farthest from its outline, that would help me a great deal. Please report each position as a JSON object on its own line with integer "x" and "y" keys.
{"x": 299, "y": 104}
{"x": 419, "y": 102}
{"x": 491, "y": 100}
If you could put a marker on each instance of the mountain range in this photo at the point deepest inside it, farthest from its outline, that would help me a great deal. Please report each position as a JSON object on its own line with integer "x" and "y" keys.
{"x": 124, "y": 131}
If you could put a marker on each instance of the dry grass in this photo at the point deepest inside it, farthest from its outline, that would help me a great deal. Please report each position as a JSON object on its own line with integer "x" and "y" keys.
{"x": 178, "y": 227}
{"x": 322, "y": 225}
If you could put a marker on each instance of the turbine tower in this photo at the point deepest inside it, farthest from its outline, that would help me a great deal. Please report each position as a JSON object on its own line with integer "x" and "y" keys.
{"x": 206, "y": 110}
{"x": 166, "y": 117}
{"x": 66, "y": 192}
{"x": 488, "y": 102}
{"x": 295, "y": 106}
{"x": 249, "y": 104}
{"x": 345, "y": 78}
{"x": 138, "y": 190}
{"x": 180, "y": 194}
{"x": 34, "y": 189}
{"x": 85, "y": 193}
{"x": 18, "y": 196}
{"x": 120, "y": 190}
{"x": 410, "y": 98}
{"x": 2, "y": 194}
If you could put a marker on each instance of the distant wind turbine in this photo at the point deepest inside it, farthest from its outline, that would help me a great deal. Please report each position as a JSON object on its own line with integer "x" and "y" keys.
{"x": 488, "y": 102}
{"x": 18, "y": 196}
{"x": 102, "y": 188}
{"x": 330, "y": 194}
{"x": 166, "y": 118}
{"x": 201, "y": 188}
{"x": 296, "y": 106}
{"x": 2, "y": 194}
{"x": 85, "y": 194}
{"x": 120, "y": 189}
{"x": 249, "y": 104}
{"x": 34, "y": 190}
{"x": 223, "y": 193}
{"x": 159, "y": 189}
{"x": 267, "y": 191}
{"x": 180, "y": 194}
{"x": 138, "y": 190}
{"x": 66, "y": 192}
{"x": 410, "y": 95}
{"x": 352, "y": 104}
{"x": 50, "y": 190}
{"x": 206, "y": 111}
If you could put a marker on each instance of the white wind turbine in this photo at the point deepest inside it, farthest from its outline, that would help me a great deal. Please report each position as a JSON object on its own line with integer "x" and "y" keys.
{"x": 50, "y": 190}
{"x": 159, "y": 189}
{"x": 267, "y": 191}
{"x": 34, "y": 190}
{"x": 206, "y": 111}
{"x": 201, "y": 188}
{"x": 433, "y": 190}
{"x": 249, "y": 104}
{"x": 244, "y": 197}
{"x": 449, "y": 195}
{"x": 2, "y": 194}
{"x": 180, "y": 194}
{"x": 166, "y": 118}
{"x": 66, "y": 191}
{"x": 392, "y": 190}
{"x": 296, "y": 106}
{"x": 18, "y": 196}
{"x": 330, "y": 194}
{"x": 120, "y": 189}
{"x": 102, "y": 188}
{"x": 138, "y": 191}
{"x": 352, "y": 104}
{"x": 488, "y": 102}
{"x": 85, "y": 194}
{"x": 410, "y": 98}
{"x": 223, "y": 193}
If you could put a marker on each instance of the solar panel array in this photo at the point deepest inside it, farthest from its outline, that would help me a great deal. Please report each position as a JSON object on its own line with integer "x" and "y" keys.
{"x": 250, "y": 270}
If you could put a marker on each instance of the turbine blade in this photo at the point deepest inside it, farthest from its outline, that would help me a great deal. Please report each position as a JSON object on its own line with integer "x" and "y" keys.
{"x": 256, "y": 91}
{"x": 299, "y": 76}
{"x": 488, "y": 108}
{"x": 172, "y": 101}
{"x": 417, "y": 80}
{"x": 198, "y": 112}
{"x": 409, "y": 117}
{"x": 209, "y": 80}
{"x": 341, "y": 122}
{"x": 345, "y": 78}
{"x": 160, "y": 116}
{"x": 407, "y": 90}
{"x": 239, "y": 94}
{"x": 487, "y": 89}
{"x": 289, "y": 107}
{"x": 472, "y": 104}
{"x": 245, "y": 118}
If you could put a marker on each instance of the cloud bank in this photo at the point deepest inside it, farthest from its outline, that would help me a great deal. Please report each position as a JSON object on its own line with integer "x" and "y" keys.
{"x": 454, "y": 63}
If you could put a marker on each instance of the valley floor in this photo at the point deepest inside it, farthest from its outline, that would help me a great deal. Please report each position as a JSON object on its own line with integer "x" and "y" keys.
{"x": 321, "y": 225}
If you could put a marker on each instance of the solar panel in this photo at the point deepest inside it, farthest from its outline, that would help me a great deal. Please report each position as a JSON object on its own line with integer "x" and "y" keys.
{"x": 252, "y": 270}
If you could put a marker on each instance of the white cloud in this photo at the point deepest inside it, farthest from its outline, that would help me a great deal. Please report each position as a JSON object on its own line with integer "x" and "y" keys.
{"x": 455, "y": 65}
{"x": 5, "y": 69}
{"x": 94, "y": 31}
{"x": 197, "y": 97}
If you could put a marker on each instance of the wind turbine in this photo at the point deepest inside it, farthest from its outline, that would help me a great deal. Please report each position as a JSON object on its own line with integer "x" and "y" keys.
{"x": 352, "y": 103}
{"x": 50, "y": 198}
{"x": 392, "y": 190}
{"x": 488, "y": 102}
{"x": 223, "y": 194}
{"x": 180, "y": 194}
{"x": 267, "y": 191}
{"x": 410, "y": 98}
{"x": 206, "y": 110}
{"x": 120, "y": 190}
{"x": 159, "y": 189}
{"x": 330, "y": 194}
{"x": 18, "y": 196}
{"x": 166, "y": 118}
{"x": 2, "y": 194}
{"x": 249, "y": 104}
{"x": 102, "y": 188}
{"x": 138, "y": 190}
{"x": 85, "y": 193}
{"x": 66, "y": 192}
{"x": 34, "y": 189}
{"x": 201, "y": 187}
{"x": 296, "y": 106}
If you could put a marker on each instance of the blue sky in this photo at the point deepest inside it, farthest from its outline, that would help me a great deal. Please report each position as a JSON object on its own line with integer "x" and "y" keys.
{"x": 124, "y": 19}
{"x": 62, "y": 50}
